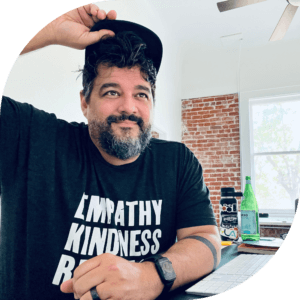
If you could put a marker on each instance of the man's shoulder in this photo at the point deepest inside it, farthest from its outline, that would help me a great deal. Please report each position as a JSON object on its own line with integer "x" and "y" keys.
{"x": 167, "y": 149}
{"x": 158, "y": 143}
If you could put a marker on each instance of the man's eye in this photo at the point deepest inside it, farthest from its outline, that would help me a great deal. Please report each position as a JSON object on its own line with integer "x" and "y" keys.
{"x": 143, "y": 95}
{"x": 111, "y": 93}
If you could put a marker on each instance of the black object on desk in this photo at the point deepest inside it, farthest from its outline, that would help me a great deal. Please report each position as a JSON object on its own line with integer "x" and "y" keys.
{"x": 263, "y": 215}
{"x": 228, "y": 253}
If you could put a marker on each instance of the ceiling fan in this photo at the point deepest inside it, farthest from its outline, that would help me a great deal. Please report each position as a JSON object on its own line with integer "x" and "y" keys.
{"x": 283, "y": 23}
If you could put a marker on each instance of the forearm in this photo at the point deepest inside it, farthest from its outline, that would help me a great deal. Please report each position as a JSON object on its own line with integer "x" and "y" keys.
{"x": 42, "y": 39}
{"x": 72, "y": 29}
{"x": 192, "y": 259}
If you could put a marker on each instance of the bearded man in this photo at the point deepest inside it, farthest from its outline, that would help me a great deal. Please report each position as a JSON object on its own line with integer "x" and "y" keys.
{"x": 93, "y": 211}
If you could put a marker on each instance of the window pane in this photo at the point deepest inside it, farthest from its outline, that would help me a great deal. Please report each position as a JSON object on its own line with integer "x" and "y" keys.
{"x": 276, "y": 126}
{"x": 277, "y": 180}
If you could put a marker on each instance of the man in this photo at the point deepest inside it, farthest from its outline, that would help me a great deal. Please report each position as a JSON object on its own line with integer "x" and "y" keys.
{"x": 83, "y": 206}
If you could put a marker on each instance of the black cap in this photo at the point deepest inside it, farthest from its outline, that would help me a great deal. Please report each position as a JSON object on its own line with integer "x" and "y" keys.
{"x": 154, "y": 48}
{"x": 230, "y": 192}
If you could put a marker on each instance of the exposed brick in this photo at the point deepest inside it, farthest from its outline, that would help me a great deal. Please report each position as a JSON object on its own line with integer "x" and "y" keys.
{"x": 221, "y": 98}
{"x": 208, "y": 99}
{"x": 231, "y": 96}
{"x": 212, "y": 133}
{"x": 155, "y": 134}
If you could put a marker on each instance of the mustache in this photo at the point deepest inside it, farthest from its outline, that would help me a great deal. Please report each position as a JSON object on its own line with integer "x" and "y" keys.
{"x": 115, "y": 119}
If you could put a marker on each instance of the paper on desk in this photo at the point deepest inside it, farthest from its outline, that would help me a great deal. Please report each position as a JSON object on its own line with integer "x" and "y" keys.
{"x": 265, "y": 243}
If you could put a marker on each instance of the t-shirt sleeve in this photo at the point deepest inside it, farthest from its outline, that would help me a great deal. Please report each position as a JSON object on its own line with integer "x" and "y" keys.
{"x": 21, "y": 127}
{"x": 194, "y": 206}
{"x": 0, "y": 153}
{"x": 0, "y": 142}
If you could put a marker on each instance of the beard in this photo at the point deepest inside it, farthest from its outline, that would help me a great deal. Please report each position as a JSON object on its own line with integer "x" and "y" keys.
{"x": 123, "y": 147}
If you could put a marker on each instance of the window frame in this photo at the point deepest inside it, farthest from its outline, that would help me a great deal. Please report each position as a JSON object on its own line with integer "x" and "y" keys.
{"x": 247, "y": 99}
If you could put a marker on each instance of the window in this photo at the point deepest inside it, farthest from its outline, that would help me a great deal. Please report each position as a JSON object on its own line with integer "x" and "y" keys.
{"x": 270, "y": 149}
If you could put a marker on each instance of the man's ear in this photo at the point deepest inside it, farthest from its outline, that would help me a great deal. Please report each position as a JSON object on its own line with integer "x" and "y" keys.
{"x": 84, "y": 105}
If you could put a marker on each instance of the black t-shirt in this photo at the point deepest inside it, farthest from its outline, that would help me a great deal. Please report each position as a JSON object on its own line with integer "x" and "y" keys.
{"x": 62, "y": 203}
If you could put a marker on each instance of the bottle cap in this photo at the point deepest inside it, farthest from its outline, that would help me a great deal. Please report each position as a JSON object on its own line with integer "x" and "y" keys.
{"x": 230, "y": 192}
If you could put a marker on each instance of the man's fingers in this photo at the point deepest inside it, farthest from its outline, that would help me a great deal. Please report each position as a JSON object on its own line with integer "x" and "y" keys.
{"x": 101, "y": 15}
{"x": 93, "y": 278}
{"x": 91, "y": 14}
{"x": 90, "y": 264}
{"x": 93, "y": 37}
{"x": 67, "y": 286}
{"x": 111, "y": 15}
{"x": 85, "y": 16}
{"x": 94, "y": 12}
{"x": 103, "y": 291}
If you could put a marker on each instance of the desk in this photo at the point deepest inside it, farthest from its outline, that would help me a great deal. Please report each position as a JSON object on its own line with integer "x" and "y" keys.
{"x": 228, "y": 253}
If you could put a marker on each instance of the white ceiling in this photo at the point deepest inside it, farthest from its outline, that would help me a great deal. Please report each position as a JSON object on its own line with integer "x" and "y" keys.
{"x": 201, "y": 19}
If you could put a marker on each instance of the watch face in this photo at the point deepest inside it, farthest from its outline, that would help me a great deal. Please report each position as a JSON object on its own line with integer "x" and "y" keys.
{"x": 167, "y": 269}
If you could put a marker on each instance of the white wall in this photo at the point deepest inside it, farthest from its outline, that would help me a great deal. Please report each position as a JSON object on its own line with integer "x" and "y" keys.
{"x": 214, "y": 72}
{"x": 272, "y": 66}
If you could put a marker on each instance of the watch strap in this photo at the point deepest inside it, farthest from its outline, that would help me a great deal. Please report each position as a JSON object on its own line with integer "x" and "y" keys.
{"x": 167, "y": 283}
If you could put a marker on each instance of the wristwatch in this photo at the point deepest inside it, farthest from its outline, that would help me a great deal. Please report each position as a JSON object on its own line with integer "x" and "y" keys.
{"x": 165, "y": 271}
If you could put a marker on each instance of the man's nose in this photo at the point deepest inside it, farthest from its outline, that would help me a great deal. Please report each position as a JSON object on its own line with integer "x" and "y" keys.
{"x": 127, "y": 105}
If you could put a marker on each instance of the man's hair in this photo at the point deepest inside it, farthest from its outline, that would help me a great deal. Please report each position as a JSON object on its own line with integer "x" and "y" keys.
{"x": 124, "y": 50}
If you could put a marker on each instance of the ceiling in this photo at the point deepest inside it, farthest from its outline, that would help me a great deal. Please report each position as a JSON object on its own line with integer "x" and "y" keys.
{"x": 201, "y": 19}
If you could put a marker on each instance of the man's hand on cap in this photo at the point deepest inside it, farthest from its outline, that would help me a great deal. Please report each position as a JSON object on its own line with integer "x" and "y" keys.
{"x": 73, "y": 28}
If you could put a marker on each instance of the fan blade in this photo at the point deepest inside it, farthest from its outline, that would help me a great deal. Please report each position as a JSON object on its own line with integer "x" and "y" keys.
{"x": 231, "y": 4}
{"x": 284, "y": 23}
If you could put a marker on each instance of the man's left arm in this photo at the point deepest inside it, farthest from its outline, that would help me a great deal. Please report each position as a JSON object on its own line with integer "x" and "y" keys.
{"x": 197, "y": 253}
{"x": 116, "y": 278}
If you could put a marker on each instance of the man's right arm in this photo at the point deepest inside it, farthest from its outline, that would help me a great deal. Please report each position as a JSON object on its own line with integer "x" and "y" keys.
{"x": 72, "y": 29}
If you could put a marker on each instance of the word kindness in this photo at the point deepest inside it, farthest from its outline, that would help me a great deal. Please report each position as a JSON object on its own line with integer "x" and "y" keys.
{"x": 106, "y": 226}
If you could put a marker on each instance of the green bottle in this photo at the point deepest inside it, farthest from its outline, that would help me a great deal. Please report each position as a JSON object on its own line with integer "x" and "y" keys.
{"x": 249, "y": 214}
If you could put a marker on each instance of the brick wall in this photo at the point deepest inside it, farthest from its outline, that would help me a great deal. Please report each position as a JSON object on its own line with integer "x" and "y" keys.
{"x": 154, "y": 134}
{"x": 210, "y": 128}
{"x": 273, "y": 230}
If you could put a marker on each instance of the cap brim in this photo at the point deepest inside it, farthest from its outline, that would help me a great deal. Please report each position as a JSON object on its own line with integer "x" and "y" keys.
{"x": 154, "y": 48}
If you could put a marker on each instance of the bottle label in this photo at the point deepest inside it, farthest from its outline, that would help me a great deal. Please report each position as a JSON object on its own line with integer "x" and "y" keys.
{"x": 229, "y": 226}
{"x": 228, "y": 207}
{"x": 230, "y": 233}
{"x": 248, "y": 218}
{"x": 248, "y": 181}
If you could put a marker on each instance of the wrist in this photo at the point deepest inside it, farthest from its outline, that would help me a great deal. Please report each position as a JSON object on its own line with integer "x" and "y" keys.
{"x": 43, "y": 38}
{"x": 153, "y": 280}
{"x": 48, "y": 35}
{"x": 165, "y": 271}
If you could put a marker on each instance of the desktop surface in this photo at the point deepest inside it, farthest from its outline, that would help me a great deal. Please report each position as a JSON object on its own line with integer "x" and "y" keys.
{"x": 228, "y": 253}
{"x": 232, "y": 274}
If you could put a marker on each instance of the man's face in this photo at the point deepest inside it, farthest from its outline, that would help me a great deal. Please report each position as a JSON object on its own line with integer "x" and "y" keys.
{"x": 119, "y": 111}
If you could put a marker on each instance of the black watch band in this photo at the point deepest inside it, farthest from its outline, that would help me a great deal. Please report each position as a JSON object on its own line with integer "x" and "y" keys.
{"x": 165, "y": 271}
